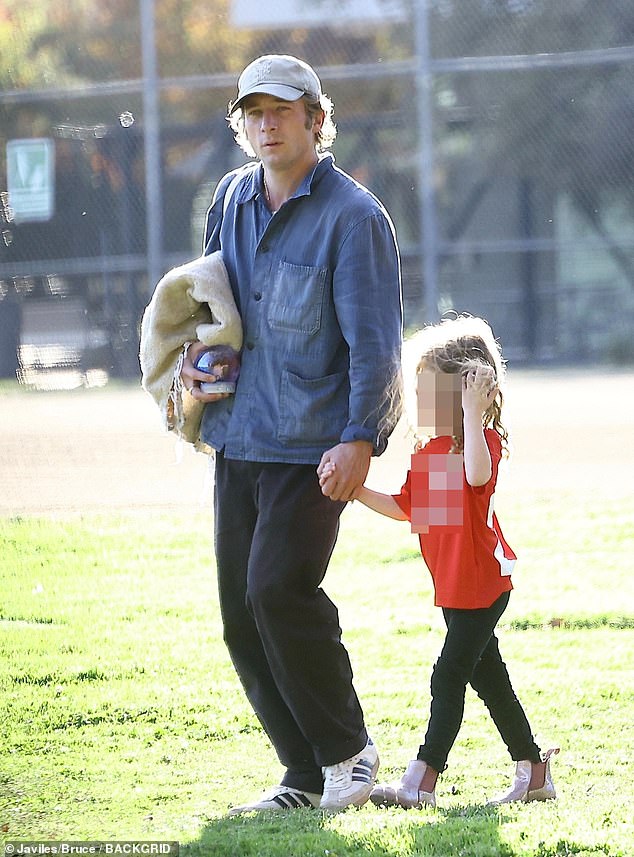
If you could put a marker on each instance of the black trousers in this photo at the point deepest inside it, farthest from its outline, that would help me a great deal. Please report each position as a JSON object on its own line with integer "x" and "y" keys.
{"x": 470, "y": 655}
{"x": 274, "y": 535}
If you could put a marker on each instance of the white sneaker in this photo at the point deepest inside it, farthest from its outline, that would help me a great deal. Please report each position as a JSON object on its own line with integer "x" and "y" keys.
{"x": 350, "y": 782}
{"x": 278, "y": 799}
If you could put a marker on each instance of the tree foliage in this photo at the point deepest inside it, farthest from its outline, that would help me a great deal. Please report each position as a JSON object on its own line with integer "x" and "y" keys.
{"x": 571, "y": 129}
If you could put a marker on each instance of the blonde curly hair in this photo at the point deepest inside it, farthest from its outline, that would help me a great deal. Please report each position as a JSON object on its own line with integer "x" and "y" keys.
{"x": 456, "y": 345}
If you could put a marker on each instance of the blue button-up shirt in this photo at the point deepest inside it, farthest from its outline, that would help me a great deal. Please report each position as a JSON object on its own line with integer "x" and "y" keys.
{"x": 317, "y": 285}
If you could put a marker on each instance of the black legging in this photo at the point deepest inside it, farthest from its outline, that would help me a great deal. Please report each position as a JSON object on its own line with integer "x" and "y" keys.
{"x": 470, "y": 655}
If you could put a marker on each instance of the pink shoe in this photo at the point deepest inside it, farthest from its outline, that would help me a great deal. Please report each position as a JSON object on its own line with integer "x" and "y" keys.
{"x": 519, "y": 790}
{"x": 405, "y": 793}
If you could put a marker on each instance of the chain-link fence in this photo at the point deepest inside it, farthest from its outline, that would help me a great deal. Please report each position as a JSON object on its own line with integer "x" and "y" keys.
{"x": 498, "y": 133}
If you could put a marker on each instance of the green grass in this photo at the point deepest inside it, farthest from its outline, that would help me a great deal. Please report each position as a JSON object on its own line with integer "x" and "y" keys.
{"x": 121, "y": 716}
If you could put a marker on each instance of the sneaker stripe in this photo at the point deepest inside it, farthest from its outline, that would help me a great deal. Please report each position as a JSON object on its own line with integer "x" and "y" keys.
{"x": 291, "y": 800}
{"x": 362, "y": 772}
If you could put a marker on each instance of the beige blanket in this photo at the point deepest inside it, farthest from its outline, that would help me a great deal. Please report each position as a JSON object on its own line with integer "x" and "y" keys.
{"x": 193, "y": 301}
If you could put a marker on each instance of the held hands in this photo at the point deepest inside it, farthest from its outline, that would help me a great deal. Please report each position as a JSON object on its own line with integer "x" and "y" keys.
{"x": 191, "y": 377}
{"x": 479, "y": 389}
{"x": 343, "y": 470}
{"x": 325, "y": 471}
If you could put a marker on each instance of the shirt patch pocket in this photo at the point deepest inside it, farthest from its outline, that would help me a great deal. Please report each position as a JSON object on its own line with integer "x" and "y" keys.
{"x": 297, "y": 297}
{"x": 309, "y": 408}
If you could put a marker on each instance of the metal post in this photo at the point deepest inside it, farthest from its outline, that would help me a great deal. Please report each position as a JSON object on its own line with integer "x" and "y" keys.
{"x": 527, "y": 267}
{"x": 428, "y": 236}
{"x": 152, "y": 145}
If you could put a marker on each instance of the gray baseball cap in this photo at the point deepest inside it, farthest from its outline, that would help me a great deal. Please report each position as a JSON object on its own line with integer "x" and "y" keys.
{"x": 280, "y": 75}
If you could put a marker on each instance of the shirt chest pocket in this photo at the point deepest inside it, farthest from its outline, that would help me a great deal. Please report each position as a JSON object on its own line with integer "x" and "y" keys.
{"x": 297, "y": 297}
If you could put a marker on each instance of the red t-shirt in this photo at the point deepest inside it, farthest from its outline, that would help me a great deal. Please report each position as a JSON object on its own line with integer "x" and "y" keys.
{"x": 470, "y": 563}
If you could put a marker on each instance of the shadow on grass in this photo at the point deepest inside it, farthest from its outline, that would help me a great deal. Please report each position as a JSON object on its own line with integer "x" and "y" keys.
{"x": 472, "y": 831}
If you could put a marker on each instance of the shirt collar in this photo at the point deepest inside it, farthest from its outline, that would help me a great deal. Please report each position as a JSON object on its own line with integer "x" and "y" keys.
{"x": 254, "y": 184}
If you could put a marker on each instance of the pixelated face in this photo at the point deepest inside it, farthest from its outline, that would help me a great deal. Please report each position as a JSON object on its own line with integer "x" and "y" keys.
{"x": 439, "y": 403}
{"x": 437, "y": 492}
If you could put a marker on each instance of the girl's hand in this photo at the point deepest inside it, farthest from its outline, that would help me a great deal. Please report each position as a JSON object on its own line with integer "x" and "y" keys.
{"x": 325, "y": 471}
{"x": 479, "y": 389}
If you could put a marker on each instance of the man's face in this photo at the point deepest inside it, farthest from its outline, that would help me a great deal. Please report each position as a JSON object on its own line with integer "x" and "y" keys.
{"x": 439, "y": 403}
{"x": 280, "y": 132}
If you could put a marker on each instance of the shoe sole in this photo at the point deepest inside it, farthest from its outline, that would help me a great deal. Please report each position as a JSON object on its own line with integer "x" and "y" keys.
{"x": 383, "y": 802}
{"x": 283, "y": 802}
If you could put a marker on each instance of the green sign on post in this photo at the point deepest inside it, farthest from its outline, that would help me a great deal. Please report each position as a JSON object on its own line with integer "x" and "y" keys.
{"x": 31, "y": 179}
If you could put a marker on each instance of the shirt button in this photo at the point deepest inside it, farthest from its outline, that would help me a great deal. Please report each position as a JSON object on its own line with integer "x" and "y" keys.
{"x": 250, "y": 346}
{"x": 257, "y": 296}
{"x": 264, "y": 248}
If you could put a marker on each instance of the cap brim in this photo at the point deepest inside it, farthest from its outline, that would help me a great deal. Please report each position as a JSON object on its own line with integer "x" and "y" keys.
{"x": 287, "y": 93}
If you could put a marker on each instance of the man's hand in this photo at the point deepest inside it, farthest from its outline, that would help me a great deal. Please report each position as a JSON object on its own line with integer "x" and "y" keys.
{"x": 344, "y": 468}
{"x": 191, "y": 377}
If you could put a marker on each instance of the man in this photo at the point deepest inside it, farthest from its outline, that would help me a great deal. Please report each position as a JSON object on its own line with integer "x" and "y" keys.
{"x": 313, "y": 264}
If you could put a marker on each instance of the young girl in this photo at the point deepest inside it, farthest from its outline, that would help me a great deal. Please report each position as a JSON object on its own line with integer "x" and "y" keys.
{"x": 448, "y": 497}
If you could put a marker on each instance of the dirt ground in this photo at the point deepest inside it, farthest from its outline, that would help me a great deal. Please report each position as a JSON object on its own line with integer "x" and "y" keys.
{"x": 88, "y": 450}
